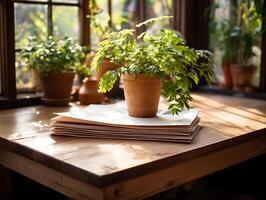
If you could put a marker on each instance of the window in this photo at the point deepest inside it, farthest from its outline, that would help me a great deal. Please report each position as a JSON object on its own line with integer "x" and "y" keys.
{"x": 227, "y": 29}
{"x": 121, "y": 14}
{"x": 39, "y": 19}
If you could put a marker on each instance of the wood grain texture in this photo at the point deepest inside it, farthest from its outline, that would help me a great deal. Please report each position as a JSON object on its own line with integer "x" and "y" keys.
{"x": 183, "y": 172}
{"x": 227, "y": 122}
{"x": 49, "y": 177}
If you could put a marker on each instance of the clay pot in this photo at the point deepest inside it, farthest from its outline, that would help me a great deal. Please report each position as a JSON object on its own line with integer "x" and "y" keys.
{"x": 227, "y": 75}
{"x": 106, "y": 65}
{"x": 57, "y": 88}
{"x": 142, "y": 94}
{"x": 242, "y": 75}
{"x": 88, "y": 92}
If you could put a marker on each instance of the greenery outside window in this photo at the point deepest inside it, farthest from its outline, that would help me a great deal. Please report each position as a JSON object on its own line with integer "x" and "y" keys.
{"x": 40, "y": 19}
{"x": 236, "y": 37}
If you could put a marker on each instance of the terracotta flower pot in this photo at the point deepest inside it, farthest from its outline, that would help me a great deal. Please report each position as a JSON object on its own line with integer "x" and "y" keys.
{"x": 227, "y": 75}
{"x": 242, "y": 75}
{"x": 57, "y": 88}
{"x": 105, "y": 66}
{"x": 88, "y": 92}
{"x": 108, "y": 66}
{"x": 142, "y": 94}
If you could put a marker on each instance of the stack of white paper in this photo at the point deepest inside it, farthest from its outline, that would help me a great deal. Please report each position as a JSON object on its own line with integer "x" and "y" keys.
{"x": 112, "y": 121}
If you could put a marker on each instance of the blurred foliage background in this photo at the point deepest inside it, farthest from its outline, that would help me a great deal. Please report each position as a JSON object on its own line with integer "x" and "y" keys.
{"x": 31, "y": 20}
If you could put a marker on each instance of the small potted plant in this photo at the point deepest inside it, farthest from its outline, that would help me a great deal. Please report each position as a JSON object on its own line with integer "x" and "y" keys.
{"x": 100, "y": 27}
{"x": 220, "y": 29}
{"x": 56, "y": 62}
{"x": 246, "y": 34}
{"x": 153, "y": 64}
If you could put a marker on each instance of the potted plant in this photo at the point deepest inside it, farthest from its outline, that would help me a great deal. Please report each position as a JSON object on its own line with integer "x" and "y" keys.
{"x": 100, "y": 28}
{"x": 150, "y": 65}
{"x": 56, "y": 62}
{"x": 220, "y": 33}
{"x": 246, "y": 34}
{"x": 100, "y": 24}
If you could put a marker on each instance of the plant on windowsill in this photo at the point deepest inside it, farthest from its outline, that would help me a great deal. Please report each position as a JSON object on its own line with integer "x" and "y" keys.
{"x": 220, "y": 33}
{"x": 100, "y": 26}
{"x": 153, "y": 64}
{"x": 246, "y": 34}
{"x": 56, "y": 62}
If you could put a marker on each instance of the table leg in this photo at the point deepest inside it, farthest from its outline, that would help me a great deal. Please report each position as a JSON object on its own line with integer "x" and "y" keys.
{"x": 5, "y": 183}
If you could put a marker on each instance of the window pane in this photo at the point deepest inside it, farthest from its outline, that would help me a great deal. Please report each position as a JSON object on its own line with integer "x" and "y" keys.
{"x": 30, "y": 20}
{"x": 100, "y": 23}
{"x": 231, "y": 38}
{"x": 66, "y": 22}
{"x": 220, "y": 14}
{"x": 66, "y": 1}
{"x": 35, "y": 0}
{"x": 125, "y": 13}
{"x": 26, "y": 80}
{"x": 159, "y": 8}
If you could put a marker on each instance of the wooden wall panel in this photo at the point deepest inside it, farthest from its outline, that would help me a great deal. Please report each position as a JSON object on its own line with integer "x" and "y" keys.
{"x": 7, "y": 42}
{"x": 192, "y": 22}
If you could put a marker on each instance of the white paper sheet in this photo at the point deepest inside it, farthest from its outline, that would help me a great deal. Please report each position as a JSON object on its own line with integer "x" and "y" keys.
{"x": 116, "y": 114}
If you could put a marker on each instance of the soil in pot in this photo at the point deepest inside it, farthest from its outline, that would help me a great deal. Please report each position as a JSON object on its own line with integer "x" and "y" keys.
{"x": 142, "y": 94}
{"x": 57, "y": 88}
{"x": 242, "y": 76}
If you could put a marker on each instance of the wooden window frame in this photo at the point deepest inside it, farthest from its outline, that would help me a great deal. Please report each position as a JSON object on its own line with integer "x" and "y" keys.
{"x": 8, "y": 96}
{"x": 263, "y": 55}
{"x": 186, "y": 20}
{"x": 190, "y": 20}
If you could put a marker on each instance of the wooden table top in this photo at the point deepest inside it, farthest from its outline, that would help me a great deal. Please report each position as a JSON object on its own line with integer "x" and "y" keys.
{"x": 226, "y": 121}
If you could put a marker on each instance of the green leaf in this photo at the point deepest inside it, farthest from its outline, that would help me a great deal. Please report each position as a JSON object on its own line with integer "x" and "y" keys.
{"x": 153, "y": 20}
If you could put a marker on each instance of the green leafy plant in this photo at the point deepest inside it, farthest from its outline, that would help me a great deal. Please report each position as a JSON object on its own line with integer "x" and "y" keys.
{"x": 248, "y": 28}
{"x": 237, "y": 34}
{"x": 163, "y": 54}
{"x": 220, "y": 32}
{"x": 55, "y": 56}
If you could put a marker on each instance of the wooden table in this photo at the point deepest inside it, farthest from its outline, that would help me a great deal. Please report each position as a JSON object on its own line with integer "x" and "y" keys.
{"x": 234, "y": 130}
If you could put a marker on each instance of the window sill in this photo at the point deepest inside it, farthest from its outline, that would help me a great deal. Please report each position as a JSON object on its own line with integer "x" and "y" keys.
{"x": 30, "y": 99}
{"x": 216, "y": 90}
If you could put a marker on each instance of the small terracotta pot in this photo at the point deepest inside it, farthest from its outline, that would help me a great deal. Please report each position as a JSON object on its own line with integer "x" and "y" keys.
{"x": 106, "y": 65}
{"x": 88, "y": 92}
{"x": 142, "y": 94}
{"x": 57, "y": 86}
{"x": 242, "y": 75}
{"x": 227, "y": 75}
